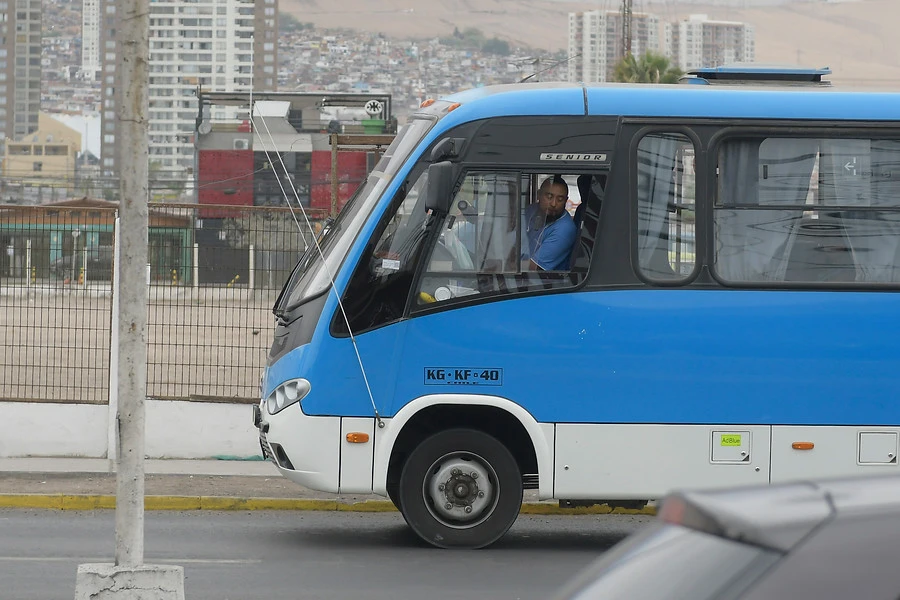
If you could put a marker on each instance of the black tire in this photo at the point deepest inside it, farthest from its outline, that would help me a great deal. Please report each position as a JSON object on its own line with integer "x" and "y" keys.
{"x": 460, "y": 488}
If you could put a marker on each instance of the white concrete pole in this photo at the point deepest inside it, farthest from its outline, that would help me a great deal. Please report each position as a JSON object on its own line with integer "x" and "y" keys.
{"x": 133, "y": 107}
{"x": 113, "y": 410}
{"x": 84, "y": 273}
{"x": 28, "y": 261}
{"x": 252, "y": 269}
{"x": 129, "y": 577}
{"x": 196, "y": 265}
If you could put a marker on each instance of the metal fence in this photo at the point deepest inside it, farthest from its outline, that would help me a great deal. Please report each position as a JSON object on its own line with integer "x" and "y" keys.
{"x": 43, "y": 187}
{"x": 214, "y": 273}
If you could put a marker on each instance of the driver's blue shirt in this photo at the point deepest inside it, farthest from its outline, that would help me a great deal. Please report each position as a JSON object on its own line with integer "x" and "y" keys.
{"x": 550, "y": 245}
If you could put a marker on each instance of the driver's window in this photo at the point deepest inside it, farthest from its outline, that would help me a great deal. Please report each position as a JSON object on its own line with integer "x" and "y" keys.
{"x": 490, "y": 242}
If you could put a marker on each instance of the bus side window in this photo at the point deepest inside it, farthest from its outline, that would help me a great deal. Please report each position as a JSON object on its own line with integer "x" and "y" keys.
{"x": 808, "y": 210}
{"x": 666, "y": 192}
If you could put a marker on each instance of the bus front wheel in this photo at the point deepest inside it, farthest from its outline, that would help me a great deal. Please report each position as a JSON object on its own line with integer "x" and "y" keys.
{"x": 460, "y": 488}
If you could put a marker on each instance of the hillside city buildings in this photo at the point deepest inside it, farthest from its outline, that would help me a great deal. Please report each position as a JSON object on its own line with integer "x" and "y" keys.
{"x": 61, "y": 57}
{"x": 221, "y": 45}
{"x": 596, "y": 42}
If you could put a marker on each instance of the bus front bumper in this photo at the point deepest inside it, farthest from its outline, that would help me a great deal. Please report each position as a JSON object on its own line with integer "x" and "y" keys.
{"x": 305, "y": 449}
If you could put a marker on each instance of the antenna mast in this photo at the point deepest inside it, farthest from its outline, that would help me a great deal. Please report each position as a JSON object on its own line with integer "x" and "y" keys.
{"x": 626, "y": 27}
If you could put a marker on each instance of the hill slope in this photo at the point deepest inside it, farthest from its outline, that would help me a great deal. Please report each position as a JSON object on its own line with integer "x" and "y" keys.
{"x": 858, "y": 40}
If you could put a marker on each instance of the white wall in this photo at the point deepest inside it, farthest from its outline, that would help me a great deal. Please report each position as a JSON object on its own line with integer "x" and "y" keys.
{"x": 200, "y": 430}
{"x": 38, "y": 429}
{"x": 173, "y": 430}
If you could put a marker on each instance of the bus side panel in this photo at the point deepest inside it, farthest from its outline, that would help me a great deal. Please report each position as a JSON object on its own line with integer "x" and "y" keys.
{"x": 676, "y": 356}
{"x": 541, "y": 435}
{"x": 357, "y": 456}
{"x": 835, "y": 452}
{"x": 647, "y": 461}
{"x": 547, "y": 476}
{"x": 338, "y": 385}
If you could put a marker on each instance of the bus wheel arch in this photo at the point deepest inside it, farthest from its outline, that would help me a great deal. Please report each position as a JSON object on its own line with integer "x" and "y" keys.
{"x": 492, "y": 420}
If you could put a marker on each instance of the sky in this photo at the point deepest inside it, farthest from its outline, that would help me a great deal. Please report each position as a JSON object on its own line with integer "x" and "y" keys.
{"x": 88, "y": 126}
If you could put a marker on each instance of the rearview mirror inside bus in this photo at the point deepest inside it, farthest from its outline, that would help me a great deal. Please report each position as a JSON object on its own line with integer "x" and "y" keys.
{"x": 447, "y": 148}
{"x": 440, "y": 181}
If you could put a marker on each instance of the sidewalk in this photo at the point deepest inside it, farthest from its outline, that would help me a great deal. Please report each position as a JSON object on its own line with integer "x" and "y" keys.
{"x": 90, "y": 483}
{"x": 175, "y": 484}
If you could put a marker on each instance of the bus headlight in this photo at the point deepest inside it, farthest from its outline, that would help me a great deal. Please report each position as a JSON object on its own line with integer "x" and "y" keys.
{"x": 286, "y": 394}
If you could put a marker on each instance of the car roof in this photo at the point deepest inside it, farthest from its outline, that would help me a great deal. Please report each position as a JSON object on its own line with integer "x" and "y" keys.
{"x": 781, "y": 515}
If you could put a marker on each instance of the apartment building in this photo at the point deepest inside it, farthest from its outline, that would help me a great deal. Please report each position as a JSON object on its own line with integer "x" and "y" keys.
{"x": 698, "y": 42}
{"x": 90, "y": 38}
{"x": 46, "y": 157}
{"x": 20, "y": 68}
{"x": 213, "y": 45}
{"x": 595, "y": 40}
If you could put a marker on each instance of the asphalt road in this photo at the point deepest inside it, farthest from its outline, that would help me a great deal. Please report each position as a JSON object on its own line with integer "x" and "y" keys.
{"x": 276, "y": 555}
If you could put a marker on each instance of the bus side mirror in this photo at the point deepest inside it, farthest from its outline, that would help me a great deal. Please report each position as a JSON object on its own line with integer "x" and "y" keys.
{"x": 440, "y": 187}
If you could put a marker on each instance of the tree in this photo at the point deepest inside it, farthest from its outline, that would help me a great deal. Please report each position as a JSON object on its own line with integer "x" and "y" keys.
{"x": 289, "y": 23}
{"x": 496, "y": 46}
{"x": 649, "y": 68}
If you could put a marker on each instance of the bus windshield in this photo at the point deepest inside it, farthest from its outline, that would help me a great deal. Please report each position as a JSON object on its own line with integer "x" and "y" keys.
{"x": 312, "y": 275}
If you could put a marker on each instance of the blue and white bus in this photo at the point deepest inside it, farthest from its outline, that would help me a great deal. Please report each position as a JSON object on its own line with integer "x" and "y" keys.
{"x": 729, "y": 313}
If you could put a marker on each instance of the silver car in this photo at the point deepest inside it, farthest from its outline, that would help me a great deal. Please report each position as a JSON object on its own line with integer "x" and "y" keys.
{"x": 818, "y": 540}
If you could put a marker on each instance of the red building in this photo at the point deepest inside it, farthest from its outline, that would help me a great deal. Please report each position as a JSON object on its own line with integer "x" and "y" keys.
{"x": 352, "y": 168}
{"x": 286, "y": 152}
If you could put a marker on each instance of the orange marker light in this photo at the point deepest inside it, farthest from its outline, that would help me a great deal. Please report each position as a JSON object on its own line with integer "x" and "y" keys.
{"x": 427, "y": 103}
{"x": 453, "y": 106}
{"x": 357, "y": 437}
{"x": 803, "y": 445}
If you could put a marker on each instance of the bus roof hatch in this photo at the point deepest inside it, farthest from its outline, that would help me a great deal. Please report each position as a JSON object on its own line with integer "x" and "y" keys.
{"x": 757, "y": 74}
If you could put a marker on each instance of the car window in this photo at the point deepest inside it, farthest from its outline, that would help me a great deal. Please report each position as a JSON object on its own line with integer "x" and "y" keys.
{"x": 670, "y": 562}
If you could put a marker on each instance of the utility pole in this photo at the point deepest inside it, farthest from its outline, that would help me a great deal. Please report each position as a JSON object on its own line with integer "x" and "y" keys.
{"x": 129, "y": 577}
{"x": 626, "y": 27}
{"x": 133, "y": 107}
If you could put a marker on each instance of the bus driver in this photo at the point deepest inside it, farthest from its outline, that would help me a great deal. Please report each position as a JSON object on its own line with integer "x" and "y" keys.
{"x": 549, "y": 228}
